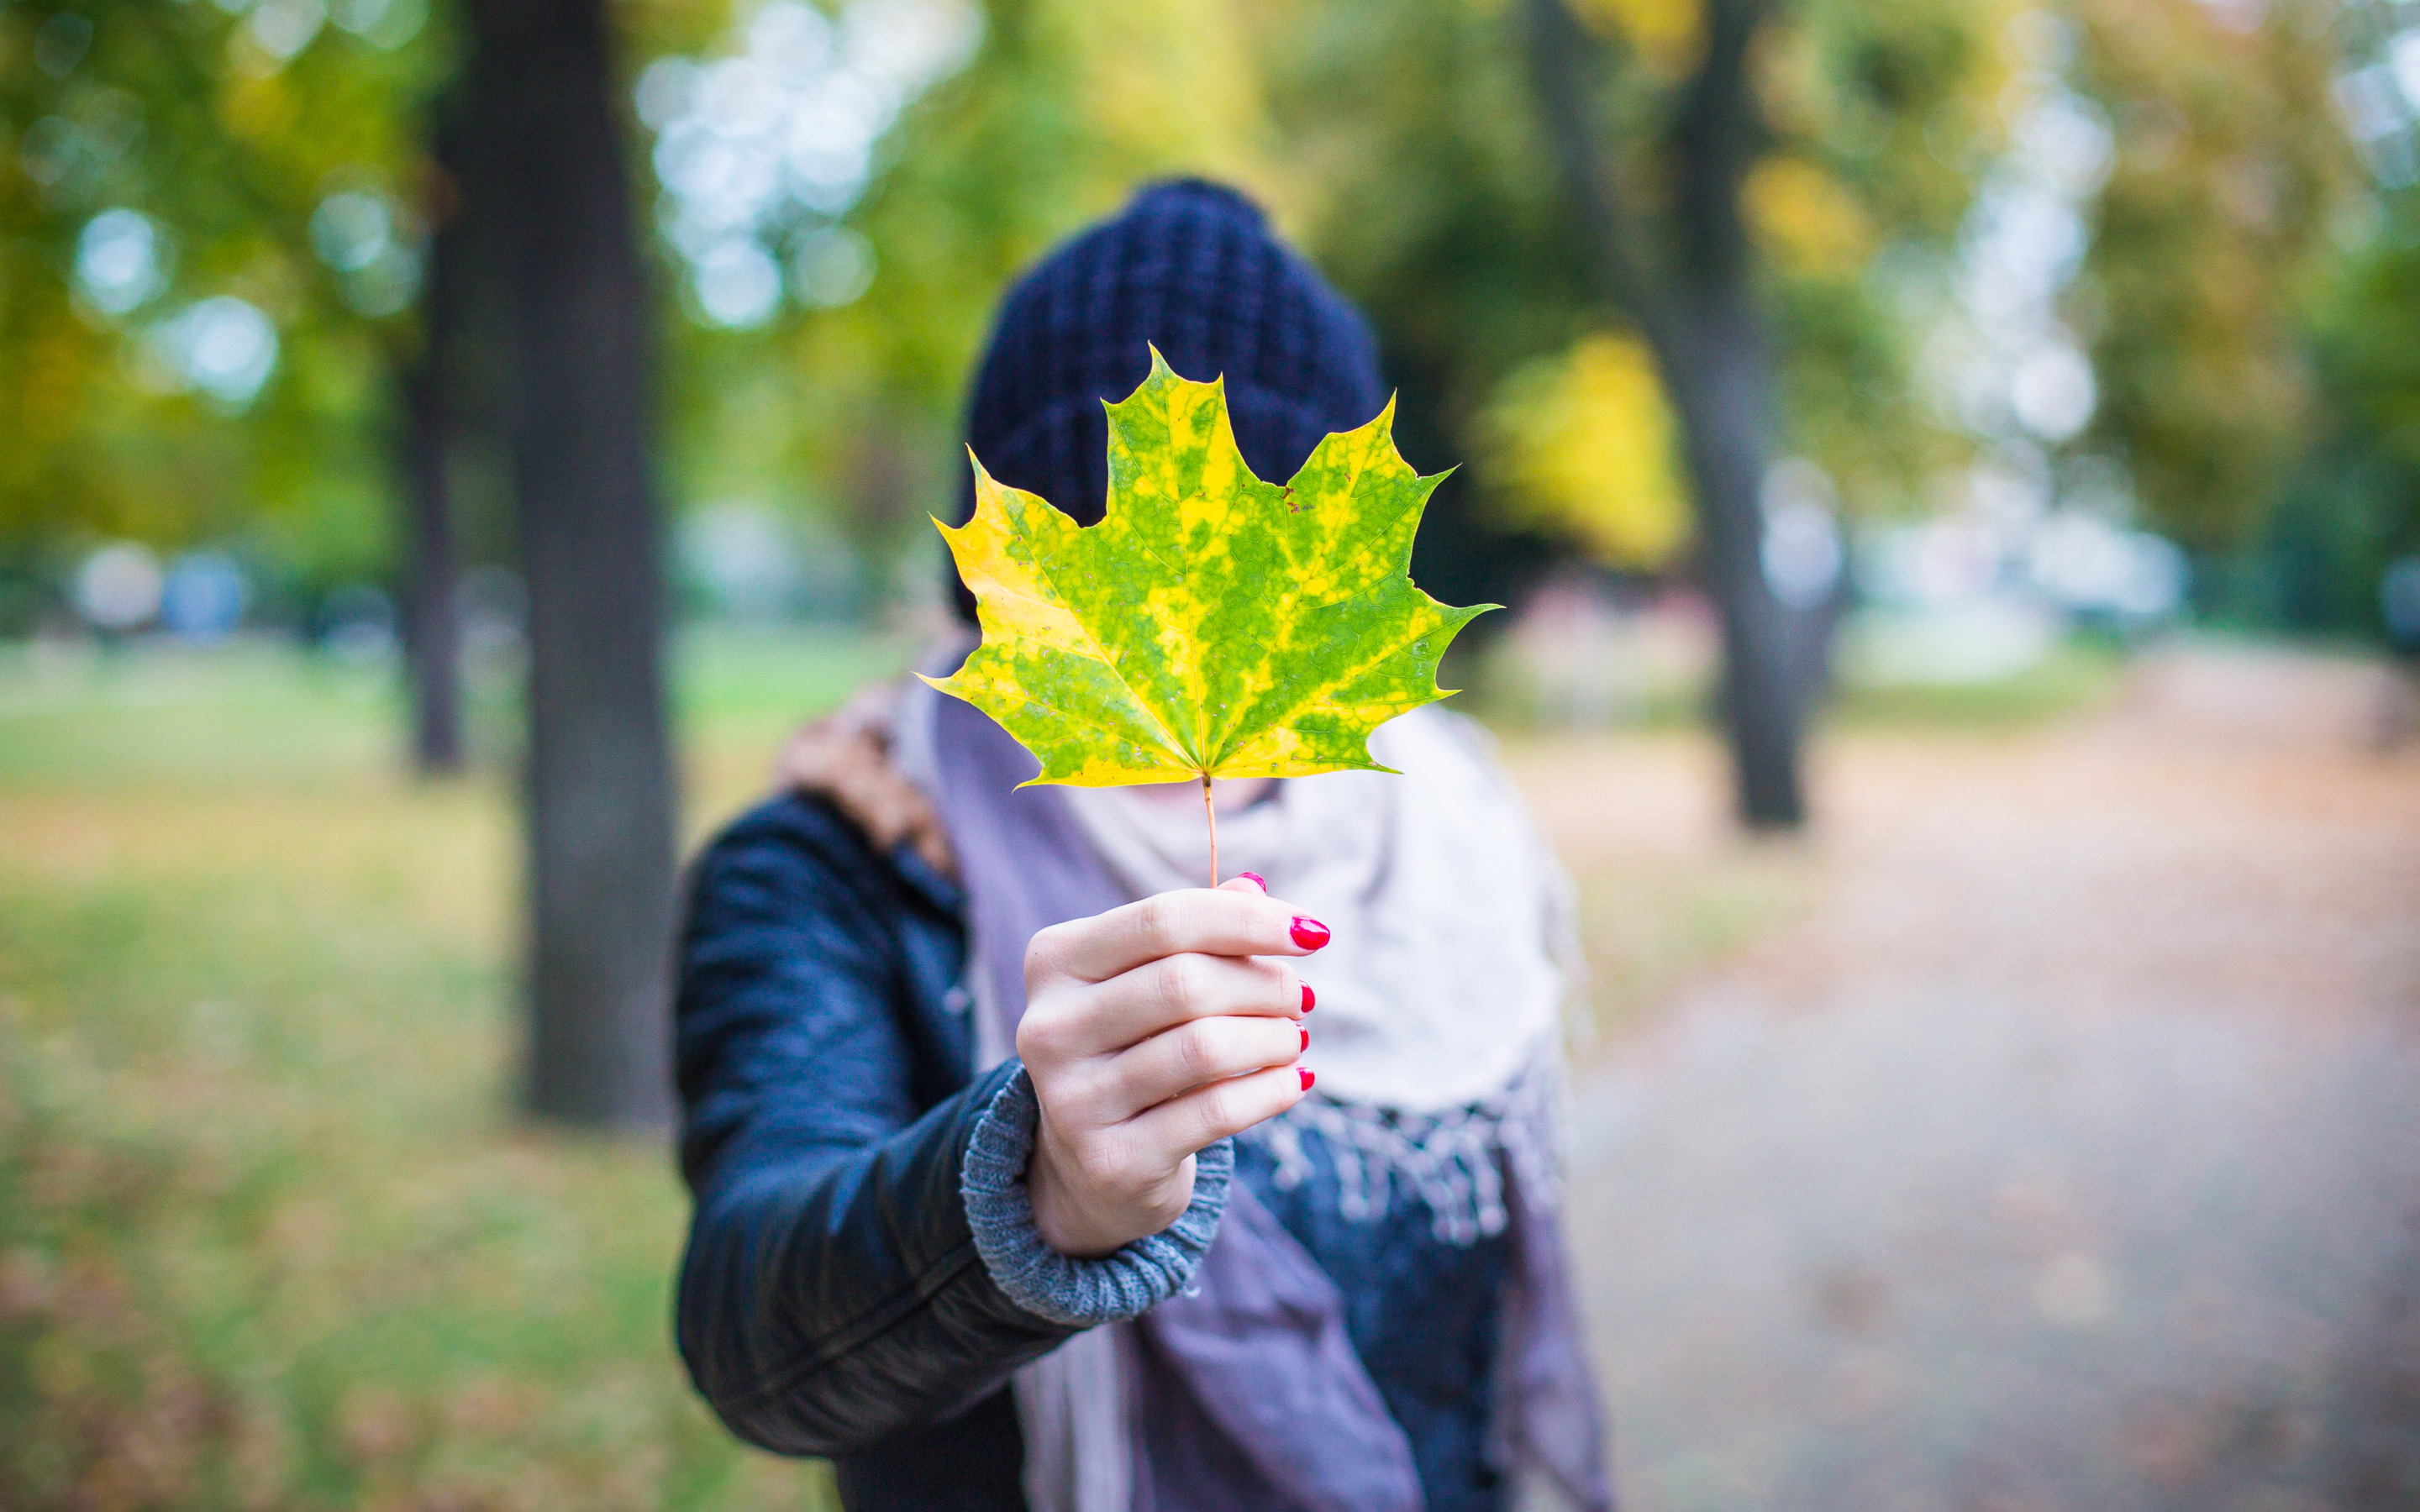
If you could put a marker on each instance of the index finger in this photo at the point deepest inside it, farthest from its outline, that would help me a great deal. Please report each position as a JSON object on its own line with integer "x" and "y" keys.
{"x": 1195, "y": 920}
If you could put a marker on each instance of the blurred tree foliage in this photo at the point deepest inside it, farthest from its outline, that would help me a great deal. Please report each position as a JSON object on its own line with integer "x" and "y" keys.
{"x": 1426, "y": 191}
{"x": 1396, "y": 138}
{"x": 1583, "y": 442}
{"x": 852, "y": 410}
{"x": 1711, "y": 168}
{"x": 130, "y": 392}
{"x": 2209, "y": 234}
{"x": 2352, "y": 501}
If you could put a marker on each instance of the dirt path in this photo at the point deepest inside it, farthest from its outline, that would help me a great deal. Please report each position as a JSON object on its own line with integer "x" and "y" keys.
{"x": 2064, "y": 1154}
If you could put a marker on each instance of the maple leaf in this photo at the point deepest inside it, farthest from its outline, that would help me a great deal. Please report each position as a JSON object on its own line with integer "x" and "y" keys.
{"x": 1212, "y": 624}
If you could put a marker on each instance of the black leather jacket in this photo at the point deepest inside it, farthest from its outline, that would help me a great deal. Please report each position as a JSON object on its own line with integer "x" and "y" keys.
{"x": 832, "y": 1302}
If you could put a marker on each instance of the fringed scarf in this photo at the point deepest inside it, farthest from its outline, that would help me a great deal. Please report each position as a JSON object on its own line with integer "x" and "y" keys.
{"x": 1437, "y": 1039}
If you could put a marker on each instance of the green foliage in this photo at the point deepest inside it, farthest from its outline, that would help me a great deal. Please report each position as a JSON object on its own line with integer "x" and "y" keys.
{"x": 1396, "y": 138}
{"x": 1428, "y": 194}
{"x": 1420, "y": 186}
{"x": 853, "y": 410}
{"x": 2352, "y": 503}
{"x": 2369, "y": 339}
{"x": 2229, "y": 165}
{"x": 226, "y": 134}
{"x": 1881, "y": 117}
{"x": 1288, "y": 633}
{"x": 1896, "y": 101}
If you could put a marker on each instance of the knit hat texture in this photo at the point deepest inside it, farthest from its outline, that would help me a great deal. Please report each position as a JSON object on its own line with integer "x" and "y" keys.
{"x": 1192, "y": 268}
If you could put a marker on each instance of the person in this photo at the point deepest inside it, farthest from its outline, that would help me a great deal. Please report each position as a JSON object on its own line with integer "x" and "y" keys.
{"x": 1030, "y": 1172}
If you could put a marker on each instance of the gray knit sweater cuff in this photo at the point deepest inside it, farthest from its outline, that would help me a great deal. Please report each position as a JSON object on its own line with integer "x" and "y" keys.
{"x": 1080, "y": 1293}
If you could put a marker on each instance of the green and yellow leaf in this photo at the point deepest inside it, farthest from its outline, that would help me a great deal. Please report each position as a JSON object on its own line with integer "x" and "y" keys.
{"x": 1211, "y": 625}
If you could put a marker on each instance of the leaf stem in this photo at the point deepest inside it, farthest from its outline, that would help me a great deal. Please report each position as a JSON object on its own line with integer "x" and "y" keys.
{"x": 1210, "y": 812}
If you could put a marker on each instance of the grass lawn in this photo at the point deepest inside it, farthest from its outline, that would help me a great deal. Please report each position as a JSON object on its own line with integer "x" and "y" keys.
{"x": 270, "y": 1237}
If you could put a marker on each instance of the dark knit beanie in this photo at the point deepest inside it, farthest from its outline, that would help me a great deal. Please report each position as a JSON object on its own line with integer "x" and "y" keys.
{"x": 1190, "y": 267}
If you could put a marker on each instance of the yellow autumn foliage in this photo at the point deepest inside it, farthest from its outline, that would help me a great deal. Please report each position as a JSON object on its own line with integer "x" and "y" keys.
{"x": 1169, "y": 87}
{"x": 1584, "y": 442}
{"x": 1806, "y": 219}
{"x": 1666, "y": 34}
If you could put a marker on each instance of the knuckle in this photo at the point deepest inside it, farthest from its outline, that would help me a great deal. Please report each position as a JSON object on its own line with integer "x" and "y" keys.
{"x": 1096, "y": 1166}
{"x": 1181, "y": 984}
{"x": 1195, "y": 1050}
{"x": 1091, "y": 1093}
{"x": 1217, "y": 1112}
{"x": 1042, "y": 1038}
{"x": 1158, "y": 922}
{"x": 1110, "y": 1165}
{"x": 1042, "y": 954}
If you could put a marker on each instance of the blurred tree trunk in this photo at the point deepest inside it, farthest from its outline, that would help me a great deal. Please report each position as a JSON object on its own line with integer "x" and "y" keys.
{"x": 432, "y": 639}
{"x": 552, "y": 198}
{"x": 1703, "y": 326}
{"x": 432, "y": 626}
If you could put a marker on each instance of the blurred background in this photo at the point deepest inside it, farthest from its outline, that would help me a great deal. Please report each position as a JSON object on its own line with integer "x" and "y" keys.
{"x": 1953, "y": 467}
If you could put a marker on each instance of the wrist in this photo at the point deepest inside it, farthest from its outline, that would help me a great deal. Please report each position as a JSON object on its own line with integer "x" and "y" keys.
{"x": 995, "y": 1184}
{"x": 1059, "y": 1215}
{"x": 1078, "y": 1222}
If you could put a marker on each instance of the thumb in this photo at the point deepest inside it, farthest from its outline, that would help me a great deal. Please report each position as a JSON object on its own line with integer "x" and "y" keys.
{"x": 1245, "y": 882}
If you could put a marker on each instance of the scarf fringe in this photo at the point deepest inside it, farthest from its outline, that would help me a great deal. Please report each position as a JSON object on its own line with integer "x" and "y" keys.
{"x": 1454, "y": 1161}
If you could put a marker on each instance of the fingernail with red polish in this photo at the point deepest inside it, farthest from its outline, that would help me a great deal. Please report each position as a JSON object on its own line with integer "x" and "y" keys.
{"x": 1309, "y": 1076}
{"x": 1309, "y": 998}
{"x": 1306, "y": 1042}
{"x": 1309, "y": 933}
{"x": 1255, "y": 879}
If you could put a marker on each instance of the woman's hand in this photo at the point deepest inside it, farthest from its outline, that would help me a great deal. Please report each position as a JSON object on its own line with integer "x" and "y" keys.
{"x": 1150, "y": 1031}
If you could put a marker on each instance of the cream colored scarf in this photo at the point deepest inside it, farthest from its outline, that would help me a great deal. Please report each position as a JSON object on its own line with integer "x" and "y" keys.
{"x": 1449, "y": 963}
{"x": 1437, "y": 1033}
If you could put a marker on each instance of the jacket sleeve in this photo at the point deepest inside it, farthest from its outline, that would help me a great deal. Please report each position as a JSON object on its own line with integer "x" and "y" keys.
{"x": 834, "y": 1293}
